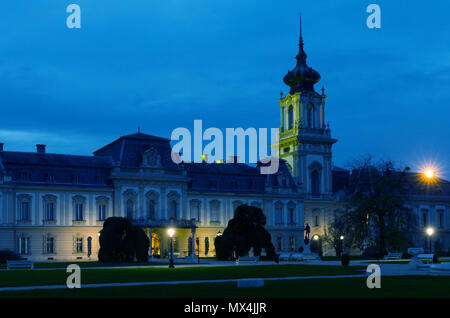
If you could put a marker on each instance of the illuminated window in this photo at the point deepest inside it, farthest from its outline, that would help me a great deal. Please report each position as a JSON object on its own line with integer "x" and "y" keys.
{"x": 24, "y": 245}
{"x": 79, "y": 212}
{"x": 101, "y": 212}
{"x": 49, "y": 211}
{"x": 79, "y": 245}
{"x": 175, "y": 245}
{"x": 279, "y": 243}
{"x": 291, "y": 243}
{"x": 50, "y": 245}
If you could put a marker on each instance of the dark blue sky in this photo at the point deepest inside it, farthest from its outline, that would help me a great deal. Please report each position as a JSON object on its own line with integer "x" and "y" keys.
{"x": 162, "y": 64}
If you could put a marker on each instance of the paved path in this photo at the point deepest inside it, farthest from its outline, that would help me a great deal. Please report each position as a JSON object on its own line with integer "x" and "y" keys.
{"x": 386, "y": 270}
{"x": 180, "y": 282}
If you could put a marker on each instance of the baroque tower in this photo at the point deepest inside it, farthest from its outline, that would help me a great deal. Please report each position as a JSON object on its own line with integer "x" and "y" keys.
{"x": 305, "y": 140}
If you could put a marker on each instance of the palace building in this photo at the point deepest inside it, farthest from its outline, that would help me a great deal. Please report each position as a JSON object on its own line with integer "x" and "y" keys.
{"x": 52, "y": 206}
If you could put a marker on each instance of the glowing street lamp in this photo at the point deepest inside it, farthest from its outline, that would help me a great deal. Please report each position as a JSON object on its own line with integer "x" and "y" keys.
{"x": 171, "y": 232}
{"x": 315, "y": 237}
{"x": 429, "y": 173}
{"x": 341, "y": 237}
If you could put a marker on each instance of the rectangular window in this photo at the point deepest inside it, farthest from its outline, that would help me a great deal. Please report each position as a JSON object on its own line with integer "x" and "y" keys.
{"x": 279, "y": 243}
{"x": 196, "y": 212}
{"x": 291, "y": 243}
{"x": 24, "y": 210}
{"x": 175, "y": 245}
{"x": 24, "y": 245}
{"x": 215, "y": 214}
{"x": 316, "y": 220}
{"x": 50, "y": 245}
{"x": 101, "y": 212}
{"x": 49, "y": 211}
{"x": 79, "y": 212}
{"x": 79, "y": 245}
{"x": 441, "y": 219}
{"x": 424, "y": 218}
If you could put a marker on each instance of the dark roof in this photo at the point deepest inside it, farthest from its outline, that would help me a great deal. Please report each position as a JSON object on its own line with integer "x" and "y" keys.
{"x": 46, "y": 168}
{"x": 238, "y": 177}
{"x": 418, "y": 185}
{"x": 128, "y": 150}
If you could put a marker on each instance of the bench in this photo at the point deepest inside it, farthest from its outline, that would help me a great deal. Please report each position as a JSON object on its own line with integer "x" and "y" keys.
{"x": 393, "y": 256}
{"x": 252, "y": 259}
{"x": 426, "y": 257}
{"x": 296, "y": 257}
{"x": 284, "y": 256}
{"x": 19, "y": 264}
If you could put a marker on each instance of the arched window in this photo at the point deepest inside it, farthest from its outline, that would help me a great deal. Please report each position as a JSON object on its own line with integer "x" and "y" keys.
{"x": 315, "y": 183}
{"x": 173, "y": 209}
{"x": 130, "y": 209}
{"x": 291, "y": 117}
{"x": 195, "y": 210}
{"x": 151, "y": 209}
{"x": 152, "y": 198}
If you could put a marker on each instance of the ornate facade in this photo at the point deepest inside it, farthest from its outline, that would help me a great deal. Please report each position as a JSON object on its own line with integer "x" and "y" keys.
{"x": 52, "y": 206}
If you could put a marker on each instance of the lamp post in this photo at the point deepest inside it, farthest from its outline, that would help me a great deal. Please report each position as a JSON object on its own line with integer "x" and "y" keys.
{"x": 341, "y": 241}
{"x": 171, "y": 232}
{"x": 430, "y": 232}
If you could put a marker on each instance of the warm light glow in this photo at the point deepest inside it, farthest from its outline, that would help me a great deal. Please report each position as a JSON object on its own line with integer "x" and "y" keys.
{"x": 429, "y": 173}
{"x": 219, "y": 233}
{"x": 171, "y": 232}
{"x": 341, "y": 237}
{"x": 430, "y": 231}
{"x": 315, "y": 237}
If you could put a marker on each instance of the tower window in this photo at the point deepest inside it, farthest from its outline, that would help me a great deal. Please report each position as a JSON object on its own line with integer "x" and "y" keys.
{"x": 315, "y": 183}
{"x": 291, "y": 117}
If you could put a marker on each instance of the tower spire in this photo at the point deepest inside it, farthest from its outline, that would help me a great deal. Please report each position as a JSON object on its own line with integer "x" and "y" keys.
{"x": 300, "y": 42}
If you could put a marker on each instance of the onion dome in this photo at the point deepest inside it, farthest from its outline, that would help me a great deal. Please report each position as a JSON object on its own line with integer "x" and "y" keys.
{"x": 302, "y": 78}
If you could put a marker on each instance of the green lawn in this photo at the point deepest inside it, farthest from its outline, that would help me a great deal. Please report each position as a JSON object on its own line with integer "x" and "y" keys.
{"x": 58, "y": 277}
{"x": 405, "y": 286}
